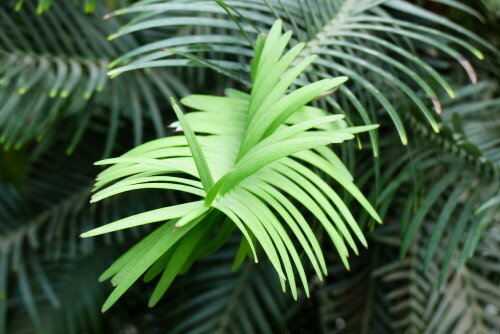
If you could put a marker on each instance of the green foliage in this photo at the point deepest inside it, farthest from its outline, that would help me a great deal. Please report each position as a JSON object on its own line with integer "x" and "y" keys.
{"x": 404, "y": 297}
{"x": 53, "y": 78}
{"x": 373, "y": 45}
{"x": 89, "y": 6}
{"x": 249, "y": 300}
{"x": 492, "y": 6}
{"x": 413, "y": 68}
{"x": 239, "y": 163}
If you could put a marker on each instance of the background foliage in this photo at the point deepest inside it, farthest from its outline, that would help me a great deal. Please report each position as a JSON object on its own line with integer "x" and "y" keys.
{"x": 433, "y": 267}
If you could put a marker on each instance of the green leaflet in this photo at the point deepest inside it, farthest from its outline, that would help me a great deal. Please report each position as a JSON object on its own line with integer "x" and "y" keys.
{"x": 167, "y": 213}
{"x": 168, "y": 238}
{"x": 198, "y": 156}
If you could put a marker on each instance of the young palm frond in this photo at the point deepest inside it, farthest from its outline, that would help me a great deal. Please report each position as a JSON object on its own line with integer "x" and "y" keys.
{"x": 372, "y": 42}
{"x": 251, "y": 150}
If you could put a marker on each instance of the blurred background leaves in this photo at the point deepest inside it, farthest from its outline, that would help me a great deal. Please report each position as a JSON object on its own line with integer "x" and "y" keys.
{"x": 433, "y": 267}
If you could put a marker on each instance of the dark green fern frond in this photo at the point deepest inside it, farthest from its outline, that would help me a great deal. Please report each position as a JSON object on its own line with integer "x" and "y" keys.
{"x": 41, "y": 217}
{"x": 391, "y": 295}
{"x": 371, "y": 42}
{"x": 73, "y": 303}
{"x": 355, "y": 301}
{"x": 468, "y": 303}
{"x": 450, "y": 178}
{"x": 53, "y": 78}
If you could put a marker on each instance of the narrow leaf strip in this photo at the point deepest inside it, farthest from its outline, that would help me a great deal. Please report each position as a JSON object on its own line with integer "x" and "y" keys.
{"x": 152, "y": 216}
{"x": 194, "y": 145}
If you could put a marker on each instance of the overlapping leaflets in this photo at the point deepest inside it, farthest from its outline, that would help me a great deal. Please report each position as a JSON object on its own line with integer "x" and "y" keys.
{"x": 249, "y": 158}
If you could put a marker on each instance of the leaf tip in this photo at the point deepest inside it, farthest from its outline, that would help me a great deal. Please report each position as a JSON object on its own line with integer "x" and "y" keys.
{"x": 468, "y": 69}
{"x": 327, "y": 93}
{"x": 437, "y": 105}
{"x": 109, "y": 15}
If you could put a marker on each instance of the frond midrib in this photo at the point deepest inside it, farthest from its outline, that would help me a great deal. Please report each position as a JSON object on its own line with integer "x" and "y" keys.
{"x": 312, "y": 45}
{"x": 39, "y": 220}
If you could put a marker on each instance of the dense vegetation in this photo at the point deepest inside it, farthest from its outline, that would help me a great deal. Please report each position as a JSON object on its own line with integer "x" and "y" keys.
{"x": 355, "y": 158}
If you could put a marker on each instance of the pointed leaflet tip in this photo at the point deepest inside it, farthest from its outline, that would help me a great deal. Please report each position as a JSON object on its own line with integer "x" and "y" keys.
{"x": 437, "y": 105}
{"x": 325, "y": 94}
{"x": 338, "y": 81}
{"x": 108, "y": 16}
{"x": 479, "y": 55}
{"x": 469, "y": 69}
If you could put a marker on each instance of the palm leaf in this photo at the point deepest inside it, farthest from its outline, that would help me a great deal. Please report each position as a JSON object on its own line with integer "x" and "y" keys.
{"x": 457, "y": 173}
{"x": 246, "y": 301}
{"x": 58, "y": 82}
{"x": 464, "y": 305}
{"x": 251, "y": 155}
{"x": 368, "y": 41}
{"x": 42, "y": 215}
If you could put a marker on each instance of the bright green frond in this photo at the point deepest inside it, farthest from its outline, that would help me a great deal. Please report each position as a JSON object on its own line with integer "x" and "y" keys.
{"x": 238, "y": 148}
